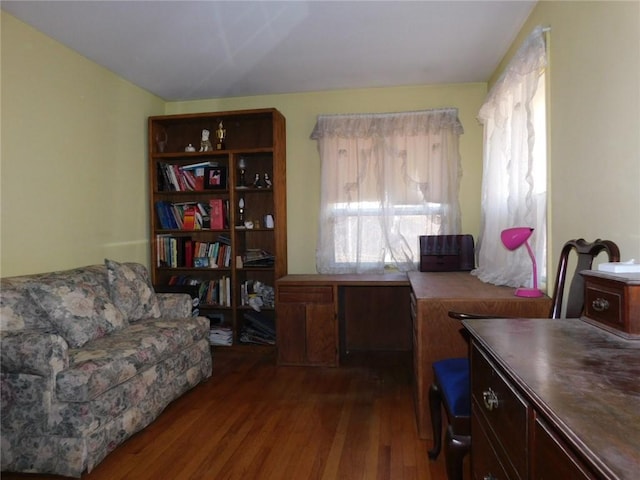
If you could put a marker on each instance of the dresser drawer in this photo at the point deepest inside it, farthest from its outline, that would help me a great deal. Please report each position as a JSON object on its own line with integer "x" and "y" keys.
{"x": 552, "y": 458}
{"x": 613, "y": 301}
{"x": 502, "y": 409}
{"x": 604, "y": 305}
{"x": 485, "y": 462}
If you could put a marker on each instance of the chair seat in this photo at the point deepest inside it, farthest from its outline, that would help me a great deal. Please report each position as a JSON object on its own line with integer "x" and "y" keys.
{"x": 452, "y": 376}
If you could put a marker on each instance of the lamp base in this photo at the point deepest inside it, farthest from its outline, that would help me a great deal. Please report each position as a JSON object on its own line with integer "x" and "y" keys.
{"x": 529, "y": 292}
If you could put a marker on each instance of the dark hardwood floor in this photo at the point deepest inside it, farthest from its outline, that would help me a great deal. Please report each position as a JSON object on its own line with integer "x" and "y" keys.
{"x": 254, "y": 420}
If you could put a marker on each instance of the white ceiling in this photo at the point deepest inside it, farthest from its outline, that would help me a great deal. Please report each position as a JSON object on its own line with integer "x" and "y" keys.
{"x": 184, "y": 50}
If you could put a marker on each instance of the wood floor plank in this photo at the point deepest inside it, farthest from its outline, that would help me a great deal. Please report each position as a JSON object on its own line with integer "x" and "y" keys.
{"x": 255, "y": 420}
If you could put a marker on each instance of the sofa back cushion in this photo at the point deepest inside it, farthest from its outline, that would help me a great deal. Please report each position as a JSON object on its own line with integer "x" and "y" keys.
{"x": 131, "y": 291}
{"x": 77, "y": 304}
{"x": 17, "y": 310}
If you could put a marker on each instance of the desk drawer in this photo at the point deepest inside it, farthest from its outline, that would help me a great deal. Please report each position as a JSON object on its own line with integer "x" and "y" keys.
{"x": 502, "y": 410}
{"x": 305, "y": 294}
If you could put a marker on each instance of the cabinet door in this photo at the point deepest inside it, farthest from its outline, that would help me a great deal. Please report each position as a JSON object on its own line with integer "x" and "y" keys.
{"x": 291, "y": 333}
{"x": 322, "y": 334}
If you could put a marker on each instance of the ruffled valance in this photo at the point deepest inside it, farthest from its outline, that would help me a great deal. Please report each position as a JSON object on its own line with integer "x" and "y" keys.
{"x": 369, "y": 125}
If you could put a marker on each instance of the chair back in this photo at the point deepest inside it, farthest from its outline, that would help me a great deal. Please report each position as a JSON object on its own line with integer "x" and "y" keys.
{"x": 585, "y": 253}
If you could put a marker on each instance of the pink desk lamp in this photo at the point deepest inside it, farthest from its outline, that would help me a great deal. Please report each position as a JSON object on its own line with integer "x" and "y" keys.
{"x": 514, "y": 238}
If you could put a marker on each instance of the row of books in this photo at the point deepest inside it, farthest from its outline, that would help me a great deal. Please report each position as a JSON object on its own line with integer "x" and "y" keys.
{"x": 193, "y": 215}
{"x": 174, "y": 252}
{"x": 204, "y": 292}
{"x": 216, "y": 292}
{"x": 194, "y": 177}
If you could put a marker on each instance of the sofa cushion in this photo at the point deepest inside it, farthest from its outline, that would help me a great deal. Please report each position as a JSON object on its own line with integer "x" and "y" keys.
{"x": 78, "y": 306}
{"x": 131, "y": 292}
{"x": 17, "y": 310}
{"x": 108, "y": 361}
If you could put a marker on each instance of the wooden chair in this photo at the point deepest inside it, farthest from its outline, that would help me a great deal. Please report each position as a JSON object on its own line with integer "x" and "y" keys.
{"x": 451, "y": 387}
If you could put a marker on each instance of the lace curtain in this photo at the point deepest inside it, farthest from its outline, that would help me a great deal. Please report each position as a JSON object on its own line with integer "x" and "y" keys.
{"x": 514, "y": 170}
{"x": 386, "y": 179}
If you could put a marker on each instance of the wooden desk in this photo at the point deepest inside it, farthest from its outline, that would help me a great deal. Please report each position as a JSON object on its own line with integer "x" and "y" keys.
{"x": 323, "y": 317}
{"x": 571, "y": 394}
{"x": 436, "y": 336}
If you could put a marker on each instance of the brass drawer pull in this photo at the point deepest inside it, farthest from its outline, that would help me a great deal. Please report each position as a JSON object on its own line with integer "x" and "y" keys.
{"x": 490, "y": 399}
{"x": 600, "y": 304}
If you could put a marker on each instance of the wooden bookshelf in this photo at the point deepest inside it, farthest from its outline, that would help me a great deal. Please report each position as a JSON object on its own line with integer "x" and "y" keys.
{"x": 186, "y": 185}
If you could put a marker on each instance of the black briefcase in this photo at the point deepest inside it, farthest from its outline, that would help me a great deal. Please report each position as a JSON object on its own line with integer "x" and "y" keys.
{"x": 446, "y": 253}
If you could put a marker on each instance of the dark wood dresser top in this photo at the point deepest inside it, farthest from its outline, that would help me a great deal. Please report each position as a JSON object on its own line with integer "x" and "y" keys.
{"x": 584, "y": 380}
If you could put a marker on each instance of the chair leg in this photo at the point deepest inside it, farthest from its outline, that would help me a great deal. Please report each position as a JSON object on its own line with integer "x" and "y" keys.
{"x": 435, "y": 410}
{"x": 456, "y": 447}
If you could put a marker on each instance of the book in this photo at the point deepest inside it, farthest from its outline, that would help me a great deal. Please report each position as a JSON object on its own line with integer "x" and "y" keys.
{"x": 195, "y": 166}
{"x": 189, "y": 218}
{"x": 216, "y": 214}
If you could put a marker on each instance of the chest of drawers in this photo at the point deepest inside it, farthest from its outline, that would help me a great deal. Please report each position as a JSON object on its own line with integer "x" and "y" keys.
{"x": 553, "y": 399}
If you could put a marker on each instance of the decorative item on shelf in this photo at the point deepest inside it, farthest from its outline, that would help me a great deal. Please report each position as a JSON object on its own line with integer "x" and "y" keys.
{"x": 221, "y": 134}
{"x": 242, "y": 168}
{"x": 190, "y": 148}
{"x": 268, "y": 221}
{"x": 514, "y": 238}
{"x": 160, "y": 138}
{"x": 257, "y": 183}
{"x": 267, "y": 181}
{"x": 241, "y": 212}
{"x": 205, "y": 143}
{"x": 215, "y": 178}
{"x": 248, "y": 225}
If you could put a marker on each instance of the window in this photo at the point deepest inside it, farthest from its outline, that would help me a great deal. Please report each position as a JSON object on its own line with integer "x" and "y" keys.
{"x": 386, "y": 179}
{"x": 514, "y": 184}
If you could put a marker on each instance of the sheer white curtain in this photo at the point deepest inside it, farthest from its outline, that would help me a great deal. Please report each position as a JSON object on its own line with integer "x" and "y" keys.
{"x": 386, "y": 179}
{"x": 514, "y": 184}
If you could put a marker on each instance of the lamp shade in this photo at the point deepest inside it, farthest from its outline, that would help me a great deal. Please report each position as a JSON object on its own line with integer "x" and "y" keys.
{"x": 514, "y": 238}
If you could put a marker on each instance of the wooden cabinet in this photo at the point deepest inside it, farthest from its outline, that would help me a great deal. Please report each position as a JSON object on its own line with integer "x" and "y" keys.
{"x": 436, "y": 336}
{"x": 307, "y": 325}
{"x": 218, "y": 214}
{"x": 553, "y": 399}
{"x": 322, "y": 317}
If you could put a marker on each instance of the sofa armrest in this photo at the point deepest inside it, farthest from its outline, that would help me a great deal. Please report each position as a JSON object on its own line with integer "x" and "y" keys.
{"x": 175, "y": 305}
{"x": 33, "y": 352}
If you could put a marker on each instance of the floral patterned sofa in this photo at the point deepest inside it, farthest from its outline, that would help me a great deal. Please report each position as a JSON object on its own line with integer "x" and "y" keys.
{"x": 89, "y": 357}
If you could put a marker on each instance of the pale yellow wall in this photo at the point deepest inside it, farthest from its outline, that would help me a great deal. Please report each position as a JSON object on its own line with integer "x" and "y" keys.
{"x": 303, "y": 161}
{"x": 72, "y": 166}
{"x": 73, "y": 173}
{"x": 594, "y": 113}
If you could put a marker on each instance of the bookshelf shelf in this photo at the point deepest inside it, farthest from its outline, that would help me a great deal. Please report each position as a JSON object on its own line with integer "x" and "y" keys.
{"x": 192, "y": 190}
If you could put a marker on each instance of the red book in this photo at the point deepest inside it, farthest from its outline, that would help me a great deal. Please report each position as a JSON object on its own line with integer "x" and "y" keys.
{"x": 188, "y": 254}
{"x": 217, "y": 214}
